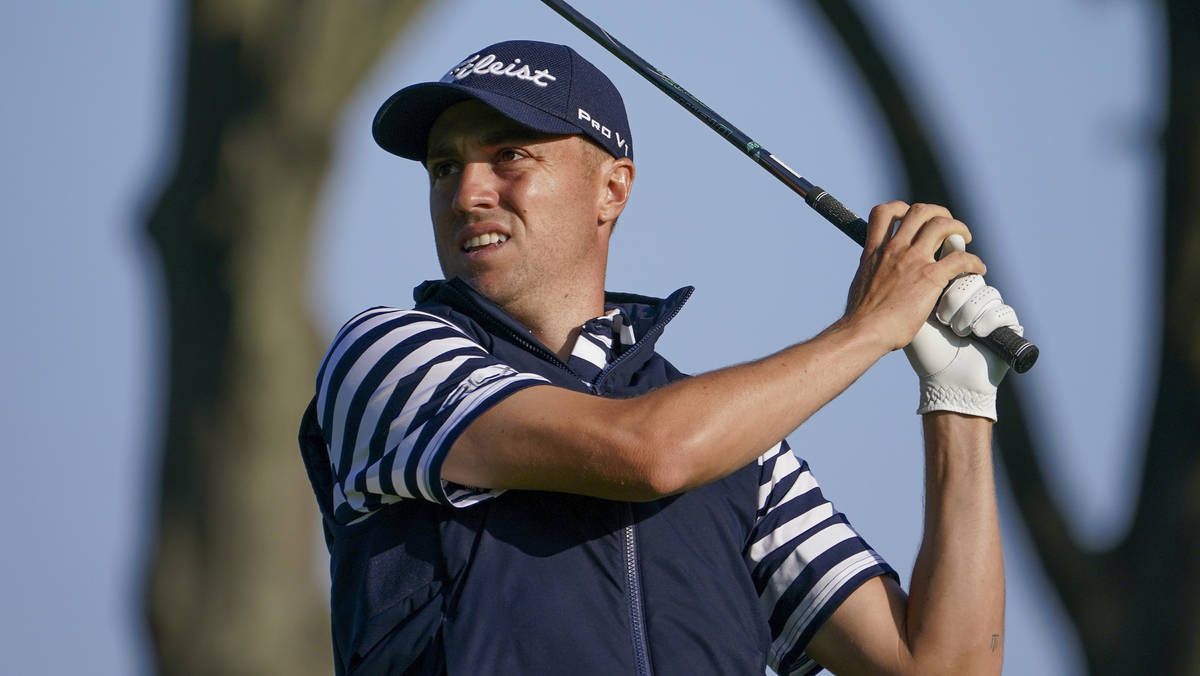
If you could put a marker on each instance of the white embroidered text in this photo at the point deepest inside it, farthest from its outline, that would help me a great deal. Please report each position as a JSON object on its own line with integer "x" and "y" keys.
{"x": 488, "y": 65}
{"x": 604, "y": 131}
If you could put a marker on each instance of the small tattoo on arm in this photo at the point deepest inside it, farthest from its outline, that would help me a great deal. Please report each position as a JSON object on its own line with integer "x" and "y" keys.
{"x": 995, "y": 642}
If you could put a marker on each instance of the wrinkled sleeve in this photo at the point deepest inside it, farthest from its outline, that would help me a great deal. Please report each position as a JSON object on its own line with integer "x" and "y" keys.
{"x": 395, "y": 390}
{"x": 804, "y": 556}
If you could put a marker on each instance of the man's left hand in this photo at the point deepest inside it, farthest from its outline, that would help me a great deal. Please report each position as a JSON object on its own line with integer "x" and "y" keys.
{"x": 955, "y": 373}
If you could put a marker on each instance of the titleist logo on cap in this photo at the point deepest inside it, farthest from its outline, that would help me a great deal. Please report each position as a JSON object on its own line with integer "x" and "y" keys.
{"x": 488, "y": 65}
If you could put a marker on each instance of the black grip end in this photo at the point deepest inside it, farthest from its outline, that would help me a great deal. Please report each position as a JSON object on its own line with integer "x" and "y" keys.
{"x": 835, "y": 212}
{"x": 1018, "y": 353}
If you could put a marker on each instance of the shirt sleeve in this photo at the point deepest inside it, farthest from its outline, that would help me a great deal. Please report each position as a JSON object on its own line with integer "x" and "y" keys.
{"x": 804, "y": 556}
{"x": 394, "y": 392}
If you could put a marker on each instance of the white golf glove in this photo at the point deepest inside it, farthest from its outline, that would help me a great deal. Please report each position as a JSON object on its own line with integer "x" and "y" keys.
{"x": 956, "y": 374}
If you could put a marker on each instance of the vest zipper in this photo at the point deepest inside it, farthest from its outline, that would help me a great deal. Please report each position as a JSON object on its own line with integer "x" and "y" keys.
{"x": 641, "y": 341}
{"x": 633, "y": 595}
{"x": 633, "y": 577}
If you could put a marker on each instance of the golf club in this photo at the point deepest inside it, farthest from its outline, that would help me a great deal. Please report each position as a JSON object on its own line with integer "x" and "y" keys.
{"x": 1019, "y": 353}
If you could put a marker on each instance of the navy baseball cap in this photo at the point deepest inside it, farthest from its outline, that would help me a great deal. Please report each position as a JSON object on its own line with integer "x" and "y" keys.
{"x": 546, "y": 87}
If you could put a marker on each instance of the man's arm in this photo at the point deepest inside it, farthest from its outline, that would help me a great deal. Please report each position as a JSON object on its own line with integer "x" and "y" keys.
{"x": 675, "y": 438}
{"x": 952, "y": 621}
{"x": 700, "y": 429}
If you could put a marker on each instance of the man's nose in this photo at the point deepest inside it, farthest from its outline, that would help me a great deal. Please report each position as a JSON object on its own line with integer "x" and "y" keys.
{"x": 476, "y": 188}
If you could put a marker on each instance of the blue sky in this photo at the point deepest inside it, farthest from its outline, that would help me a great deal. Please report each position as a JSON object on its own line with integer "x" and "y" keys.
{"x": 1046, "y": 113}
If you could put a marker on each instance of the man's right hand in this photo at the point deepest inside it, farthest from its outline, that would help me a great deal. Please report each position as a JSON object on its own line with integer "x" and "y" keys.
{"x": 899, "y": 279}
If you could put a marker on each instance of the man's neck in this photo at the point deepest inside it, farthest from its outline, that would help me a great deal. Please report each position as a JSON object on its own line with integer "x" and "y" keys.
{"x": 556, "y": 323}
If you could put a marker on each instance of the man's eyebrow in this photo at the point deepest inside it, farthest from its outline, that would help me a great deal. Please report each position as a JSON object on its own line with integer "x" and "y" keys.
{"x": 442, "y": 149}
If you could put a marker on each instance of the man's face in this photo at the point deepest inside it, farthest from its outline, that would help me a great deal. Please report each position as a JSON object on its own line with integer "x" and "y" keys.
{"x": 515, "y": 212}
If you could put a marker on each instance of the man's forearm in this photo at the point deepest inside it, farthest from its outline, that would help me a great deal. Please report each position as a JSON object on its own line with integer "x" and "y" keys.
{"x": 955, "y": 616}
{"x": 717, "y": 422}
{"x": 670, "y": 440}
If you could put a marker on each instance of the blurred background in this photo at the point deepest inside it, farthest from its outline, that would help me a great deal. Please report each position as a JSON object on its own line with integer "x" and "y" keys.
{"x": 194, "y": 204}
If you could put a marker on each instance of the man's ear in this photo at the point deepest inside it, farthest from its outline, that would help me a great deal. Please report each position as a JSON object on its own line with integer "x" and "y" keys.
{"x": 618, "y": 182}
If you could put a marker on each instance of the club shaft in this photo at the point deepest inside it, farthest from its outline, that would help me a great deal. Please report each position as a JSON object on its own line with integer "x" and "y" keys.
{"x": 1017, "y": 351}
{"x": 683, "y": 97}
{"x": 824, "y": 203}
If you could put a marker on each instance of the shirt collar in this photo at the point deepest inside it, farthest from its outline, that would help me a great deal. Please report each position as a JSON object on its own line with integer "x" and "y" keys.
{"x": 600, "y": 340}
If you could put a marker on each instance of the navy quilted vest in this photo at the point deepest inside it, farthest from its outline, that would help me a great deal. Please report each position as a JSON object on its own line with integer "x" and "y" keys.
{"x": 547, "y": 583}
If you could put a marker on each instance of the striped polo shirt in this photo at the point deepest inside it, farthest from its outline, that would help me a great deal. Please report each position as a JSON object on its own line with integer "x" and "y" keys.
{"x": 396, "y": 384}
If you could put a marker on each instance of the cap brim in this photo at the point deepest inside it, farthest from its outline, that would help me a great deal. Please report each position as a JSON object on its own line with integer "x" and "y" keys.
{"x": 404, "y": 121}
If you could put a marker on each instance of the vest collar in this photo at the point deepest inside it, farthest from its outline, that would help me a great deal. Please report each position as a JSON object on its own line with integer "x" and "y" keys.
{"x": 648, "y": 315}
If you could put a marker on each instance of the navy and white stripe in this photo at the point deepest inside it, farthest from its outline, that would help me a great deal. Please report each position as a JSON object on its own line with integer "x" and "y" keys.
{"x": 804, "y": 558}
{"x": 395, "y": 390}
{"x": 598, "y": 343}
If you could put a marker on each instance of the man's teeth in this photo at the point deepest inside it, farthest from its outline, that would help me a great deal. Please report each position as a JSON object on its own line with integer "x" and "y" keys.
{"x": 484, "y": 240}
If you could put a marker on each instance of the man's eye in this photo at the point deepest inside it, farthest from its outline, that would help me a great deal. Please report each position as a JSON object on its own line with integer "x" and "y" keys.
{"x": 509, "y": 155}
{"x": 442, "y": 169}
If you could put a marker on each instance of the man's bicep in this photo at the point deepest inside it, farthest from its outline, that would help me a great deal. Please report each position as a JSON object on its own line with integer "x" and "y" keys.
{"x": 552, "y": 439}
{"x": 865, "y": 635}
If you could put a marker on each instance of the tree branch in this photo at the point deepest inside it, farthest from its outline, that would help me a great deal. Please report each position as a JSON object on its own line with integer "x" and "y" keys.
{"x": 1164, "y": 541}
{"x": 229, "y": 588}
{"x": 1075, "y": 573}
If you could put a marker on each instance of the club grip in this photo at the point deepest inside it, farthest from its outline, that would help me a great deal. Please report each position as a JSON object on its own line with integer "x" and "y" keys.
{"x": 835, "y": 212}
{"x": 1019, "y": 353}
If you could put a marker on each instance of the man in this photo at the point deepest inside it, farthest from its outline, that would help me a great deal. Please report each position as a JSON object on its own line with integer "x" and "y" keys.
{"x": 514, "y": 482}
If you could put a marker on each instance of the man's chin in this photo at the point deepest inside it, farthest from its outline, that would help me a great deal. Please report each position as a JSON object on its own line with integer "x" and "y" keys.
{"x": 490, "y": 286}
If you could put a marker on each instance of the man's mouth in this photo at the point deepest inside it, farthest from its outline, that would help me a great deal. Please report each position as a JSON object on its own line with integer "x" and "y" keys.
{"x": 483, "y": 241}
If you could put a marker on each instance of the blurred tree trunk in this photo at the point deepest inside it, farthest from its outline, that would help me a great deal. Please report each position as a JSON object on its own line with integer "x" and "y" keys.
{"x": 1135, "y": 606}
{"x": 231, "y": 588}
